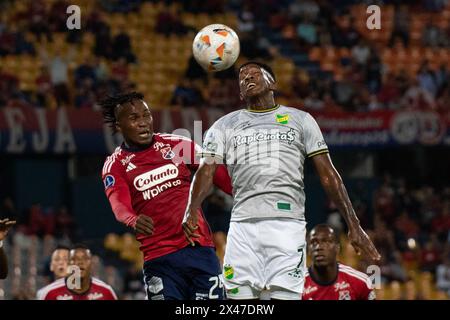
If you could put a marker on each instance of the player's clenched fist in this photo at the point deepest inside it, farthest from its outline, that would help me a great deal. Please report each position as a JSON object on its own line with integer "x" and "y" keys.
{"x": 144, "y": 225}
{"x": 190, "y": 225}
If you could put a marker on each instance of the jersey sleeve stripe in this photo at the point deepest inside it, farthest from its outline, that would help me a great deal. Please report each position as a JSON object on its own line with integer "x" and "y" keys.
{"x": 174, "y": 137}
{"x": 110, "y": 160}
{"x": 42, "y": 293}
{"x": 364, "y": 279}
{"x": 106, "y": 286}
{"x": 106, "y": 165}
{"x": 315, "y": 153}
{"x": 359, "y": 273}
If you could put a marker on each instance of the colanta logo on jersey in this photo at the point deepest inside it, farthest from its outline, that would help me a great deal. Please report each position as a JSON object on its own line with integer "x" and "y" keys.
{"x": 154, "y": 177}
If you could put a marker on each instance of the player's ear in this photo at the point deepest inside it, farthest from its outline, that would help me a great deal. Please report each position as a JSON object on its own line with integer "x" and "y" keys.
{"x": 272, "y": 85}
{"x": 117, "y": 127}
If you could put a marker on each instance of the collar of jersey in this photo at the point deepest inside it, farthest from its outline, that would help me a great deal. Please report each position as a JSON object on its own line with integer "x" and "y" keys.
{"x": 76, "y": 293}
{"x": 137, "y": 149}
{"x": 322, "y": 283}
{"x": 263, "y": 111}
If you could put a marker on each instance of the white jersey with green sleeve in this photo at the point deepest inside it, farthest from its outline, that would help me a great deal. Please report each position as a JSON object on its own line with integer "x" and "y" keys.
{"x": 265, "y": 153}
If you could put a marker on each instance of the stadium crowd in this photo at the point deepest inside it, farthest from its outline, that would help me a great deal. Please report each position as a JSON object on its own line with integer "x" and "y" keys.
{"x": 361, "y": 79}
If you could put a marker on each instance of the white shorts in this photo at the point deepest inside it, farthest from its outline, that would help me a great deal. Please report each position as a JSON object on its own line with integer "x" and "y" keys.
{"x": 265, "y": 254}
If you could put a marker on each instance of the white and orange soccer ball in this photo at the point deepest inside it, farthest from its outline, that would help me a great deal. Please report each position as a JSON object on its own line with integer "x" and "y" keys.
{"x": 216, "y": 47}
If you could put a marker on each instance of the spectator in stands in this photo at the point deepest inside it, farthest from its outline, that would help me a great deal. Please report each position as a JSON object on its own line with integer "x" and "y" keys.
{"x": 426, "y": 79}
{"x": 344, "y": 90}
{"x": 417, "y": 97}
{"x": 430, "y": 256}
{"x": 194, "y": 70}
{"x": 43, "y": 88}
{"x": 103, "y": 42}
{"x": 361, "y": 52}
{"x": 169, "y": 22}
{"x": 246, "y": 20}
{"x": 121, "y": 47}
{"x": 58, "y": 66}
{"x": 402, "y": 21}
{"x": 304, "y": 9}
{"x": 57, "y": 17}
{"x": 85, "y": 71}
{"x": 9, "y": 86}
{"x": 307, "y": 32}
{"x": 432, "y": 35}
{"x": 186, "y": 94}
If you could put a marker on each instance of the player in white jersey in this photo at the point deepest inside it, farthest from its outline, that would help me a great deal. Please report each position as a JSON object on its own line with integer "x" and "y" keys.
{"x": 264, "y": 147}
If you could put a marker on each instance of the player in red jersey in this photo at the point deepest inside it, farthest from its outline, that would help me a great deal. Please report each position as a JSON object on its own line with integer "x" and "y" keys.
{"x": 147, "y": 181}
{"x": 327, "y": 279}
{"x": 84, "y": 288}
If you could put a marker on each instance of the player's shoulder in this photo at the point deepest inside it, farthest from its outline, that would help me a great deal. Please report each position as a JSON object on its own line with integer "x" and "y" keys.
{"x": 294, "y": 112}
{"x": 103, "y": 285}
{"x": 99, "y": 283}
{"x": 229, "y": 119}
{"x": 170, "y": 137}
{"x": 354, "y": 274}
{"x": 43, "y": 292}
{"x": 111, "y": 160}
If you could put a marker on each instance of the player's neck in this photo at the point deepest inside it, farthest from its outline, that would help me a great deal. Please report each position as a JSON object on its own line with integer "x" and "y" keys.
{"x": 133, "y": 147}
{"x": 261, "y": 103}
{"x": 85, "y": 285}
{"x": 326, "y": 274}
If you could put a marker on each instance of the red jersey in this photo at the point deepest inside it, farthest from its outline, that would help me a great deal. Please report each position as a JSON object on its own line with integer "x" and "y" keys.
{"x": 98, "y": 290}
{"x": 350, "y": 284}
{"x": 156, "y": 182}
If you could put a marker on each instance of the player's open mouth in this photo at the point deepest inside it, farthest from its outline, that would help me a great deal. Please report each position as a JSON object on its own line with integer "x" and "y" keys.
{"x": 250, "y": 86}
{"x": 144, "y": 134}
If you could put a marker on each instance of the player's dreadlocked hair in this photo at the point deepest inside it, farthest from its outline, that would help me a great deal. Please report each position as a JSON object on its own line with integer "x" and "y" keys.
{"x": 110, "y": 103}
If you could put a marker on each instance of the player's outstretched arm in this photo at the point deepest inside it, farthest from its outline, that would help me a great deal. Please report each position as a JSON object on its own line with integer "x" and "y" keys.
{"x": 335, "y": 189}
{"x": 201, "y": 184}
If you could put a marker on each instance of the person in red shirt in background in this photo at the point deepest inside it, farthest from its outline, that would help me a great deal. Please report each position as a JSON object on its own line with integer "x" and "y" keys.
{"x": 86, "y": 287}
{"x": 147, "y": 181}
{"x": 327, "y": 279}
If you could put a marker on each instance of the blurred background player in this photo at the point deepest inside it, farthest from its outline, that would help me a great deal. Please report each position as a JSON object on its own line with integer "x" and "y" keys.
{"x": 86, "y": 287}
{"x": 59, "y": 262}
{"x": 327, "y": 279}
{"x": 147, "y": 182}
{"x": 5, "y": 225}
{"x": 264, "y": 147}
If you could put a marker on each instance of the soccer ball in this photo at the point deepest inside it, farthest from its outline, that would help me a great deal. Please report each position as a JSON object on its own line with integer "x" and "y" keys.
{"x": 216, "y": 47}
